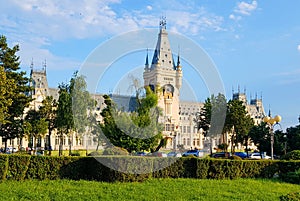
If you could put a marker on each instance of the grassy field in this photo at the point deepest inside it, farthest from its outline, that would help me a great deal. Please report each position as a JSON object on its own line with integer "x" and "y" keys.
{"x": 155, "y": 189}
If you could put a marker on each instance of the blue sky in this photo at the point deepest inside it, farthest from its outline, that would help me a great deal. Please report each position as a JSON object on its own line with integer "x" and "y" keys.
{"x": 254, "y": 44}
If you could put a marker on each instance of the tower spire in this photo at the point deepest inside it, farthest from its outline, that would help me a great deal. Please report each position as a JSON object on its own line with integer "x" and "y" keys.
{"x": 178, "y": 57}
{"x": 147, "y": 61}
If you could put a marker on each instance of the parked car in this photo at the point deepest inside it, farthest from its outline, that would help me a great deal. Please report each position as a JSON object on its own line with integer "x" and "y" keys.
{"x": 221, "y": 155}
{"x": 257, "y": 155}
{"x": 140, "y": 153}
{"x": 243, "y": 155}
{"x": 158, "y": 154}
{"x": 174, "y": 154}
{"x": 194, "y": 152}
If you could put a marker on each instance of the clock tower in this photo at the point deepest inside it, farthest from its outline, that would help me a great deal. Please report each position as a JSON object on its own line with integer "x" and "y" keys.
{"x": 164, "y": 76}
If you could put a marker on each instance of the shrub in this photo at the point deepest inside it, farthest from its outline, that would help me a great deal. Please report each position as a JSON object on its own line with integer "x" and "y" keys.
{"x": 75, "y": 153}
{"x": 95, "y": 153}
{"x": 293, "y": 155}
{"x": 291, "y": 177}
{"x": 115, "y": 151}
{"x": 234, "y": 157}
{"x": 290, "y": 197}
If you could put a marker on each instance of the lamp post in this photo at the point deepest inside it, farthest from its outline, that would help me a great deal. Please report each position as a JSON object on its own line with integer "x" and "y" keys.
{"x": 271, "y": 122}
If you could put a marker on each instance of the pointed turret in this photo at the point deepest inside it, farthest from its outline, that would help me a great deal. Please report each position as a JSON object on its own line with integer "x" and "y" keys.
{"x": 162, "y": 54}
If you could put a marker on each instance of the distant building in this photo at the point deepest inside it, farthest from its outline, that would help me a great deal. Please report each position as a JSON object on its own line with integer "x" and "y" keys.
{"x": 162, "y": 74}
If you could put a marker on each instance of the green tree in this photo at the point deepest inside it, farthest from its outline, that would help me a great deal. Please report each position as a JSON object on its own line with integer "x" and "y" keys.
{"x": 135, "y": 131}
{"x": 82, "y": 106}
{"x": 64, "y": 116}
{"x": 238, "y": 121}
{"x": 6, "y": 90}
{"x": 293, "y": 137}
{"x": 260, "y": 136}
{"x": 37, "y": 126}
{"x": 48, "y": 111}
{"x": 212, "y": 116}
{"x": 19, "y": 96}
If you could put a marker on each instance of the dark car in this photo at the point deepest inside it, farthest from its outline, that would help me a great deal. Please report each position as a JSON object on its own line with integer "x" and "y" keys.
{"x": 242, "y": 155}
{"x": 195, "y": 152}
{"x": 221, "y": 155}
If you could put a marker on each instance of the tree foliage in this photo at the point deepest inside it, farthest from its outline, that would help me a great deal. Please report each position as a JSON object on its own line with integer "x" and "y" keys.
{"x": 9, "y": 61}
{"x": 7, "y": 87}
{"x": 135, "y": 131}
{"x": 238, "y": 121}
{"x": 37, "y": 126}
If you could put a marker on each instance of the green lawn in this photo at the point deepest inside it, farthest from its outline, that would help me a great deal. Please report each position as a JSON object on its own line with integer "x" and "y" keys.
{"x": 155, "y": 189}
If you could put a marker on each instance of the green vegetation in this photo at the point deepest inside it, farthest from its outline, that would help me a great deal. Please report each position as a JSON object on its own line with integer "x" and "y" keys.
{"x": 134, "y": 131}
{"x": 154, "y": 189}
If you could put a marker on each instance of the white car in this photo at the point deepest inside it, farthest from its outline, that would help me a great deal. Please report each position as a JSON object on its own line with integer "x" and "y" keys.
{"x": 257, "y": 155}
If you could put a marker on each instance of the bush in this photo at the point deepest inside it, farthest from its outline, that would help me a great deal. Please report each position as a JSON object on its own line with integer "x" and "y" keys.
{"x": 95, "y": 153}
{"x": 290, "y": 197}
{"x": 120, "y": 168}
{"x": 291, "y": 177}
{"x": 293, "y": 155}
{"x": 75, "y": 153}
{"x": 234, "y": 157}
{"x": 115, "y": 151}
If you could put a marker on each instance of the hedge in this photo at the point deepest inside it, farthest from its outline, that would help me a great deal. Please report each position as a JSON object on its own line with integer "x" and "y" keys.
{"x": 21, "y": 167}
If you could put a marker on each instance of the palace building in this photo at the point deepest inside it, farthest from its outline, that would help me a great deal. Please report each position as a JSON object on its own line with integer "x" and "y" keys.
{"x": 161, "y": 73}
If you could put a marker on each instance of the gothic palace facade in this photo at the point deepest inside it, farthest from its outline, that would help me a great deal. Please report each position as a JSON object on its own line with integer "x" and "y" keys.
{"x": 178, "y": 116}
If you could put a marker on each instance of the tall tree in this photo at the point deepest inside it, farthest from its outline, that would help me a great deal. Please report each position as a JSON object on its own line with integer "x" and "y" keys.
{"x": 260, "y": 136}
{"x": 10, "y": 62}
{"x": 64, "y": 116}
{"x": 48, "y": 111}
{"x": 293, "y": 137}
{"x": 82, "y": 105}
{"x": 7, "y": 87}
{"x": 211, "y": 117}
{"x": 137, "y": 131}
{"x": 238, "y": 121}
{"x": 37, "y": 126}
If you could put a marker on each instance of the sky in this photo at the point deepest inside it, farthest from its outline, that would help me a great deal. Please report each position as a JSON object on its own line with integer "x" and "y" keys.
{"x": 254, "y": 45}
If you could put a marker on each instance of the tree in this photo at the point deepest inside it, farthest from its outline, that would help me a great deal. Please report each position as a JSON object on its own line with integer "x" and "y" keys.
{"x": 211, "y": 117}
{"x": 6, "y": 90}
{"x": 260, "y": 136}
{"x": 64, "y": 116}
{"x": 293, "y": 137}
{"x": 48, "y": 112}
{"x": 10, "y": 62}
{"x": 135, "y": 131}
{"x": 37, "y": 126}
{"x": 238, "y": 121}
{"x": 82, "y": 105}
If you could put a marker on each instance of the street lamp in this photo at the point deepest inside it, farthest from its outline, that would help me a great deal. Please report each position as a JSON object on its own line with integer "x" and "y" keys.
{"x": 271, "y": 122}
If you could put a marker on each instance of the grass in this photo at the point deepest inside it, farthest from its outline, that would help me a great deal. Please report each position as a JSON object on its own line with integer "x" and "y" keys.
{"x": 154, "y": 189}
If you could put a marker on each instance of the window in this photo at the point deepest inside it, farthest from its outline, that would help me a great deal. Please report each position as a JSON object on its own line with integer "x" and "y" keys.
{"x": 184, "y": 129}
{"x": 188, "y": 129}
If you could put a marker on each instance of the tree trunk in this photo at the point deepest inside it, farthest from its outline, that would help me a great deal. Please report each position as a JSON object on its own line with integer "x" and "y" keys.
{"x": 60, "y": 144}
{"x": 49, "y": 141}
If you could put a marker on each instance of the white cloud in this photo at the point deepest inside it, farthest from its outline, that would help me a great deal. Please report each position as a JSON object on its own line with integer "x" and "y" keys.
{"x": 234, "y": 17}
{"x": 246, "y": 8}
{"x": 298, "y": 48}
{"x": 149, "y": 7}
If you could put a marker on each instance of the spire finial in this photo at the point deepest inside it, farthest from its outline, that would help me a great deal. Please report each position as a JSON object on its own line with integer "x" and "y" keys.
{"x": 269, "y": 111}
{"x": 238, "y": 88}
{"x": 163, "y": 22}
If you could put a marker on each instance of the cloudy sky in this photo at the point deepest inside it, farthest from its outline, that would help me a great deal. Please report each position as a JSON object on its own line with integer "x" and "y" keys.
{"x": 254, "y": 44}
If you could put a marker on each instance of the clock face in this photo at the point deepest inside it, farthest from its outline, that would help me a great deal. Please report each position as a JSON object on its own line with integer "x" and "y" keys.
{"x": 169, "y": 88}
